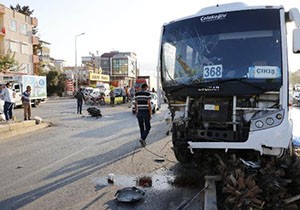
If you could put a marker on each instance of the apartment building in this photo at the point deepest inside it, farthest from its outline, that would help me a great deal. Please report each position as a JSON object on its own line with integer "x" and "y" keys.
{"x": 16, "y": 37}
{"x": 121, "y": 67}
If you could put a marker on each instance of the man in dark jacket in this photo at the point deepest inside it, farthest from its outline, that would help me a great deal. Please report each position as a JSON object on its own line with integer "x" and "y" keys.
{"x": 143, "y": 112}
{"x": 27, "y": 103}
{"x": 80, "y": 97}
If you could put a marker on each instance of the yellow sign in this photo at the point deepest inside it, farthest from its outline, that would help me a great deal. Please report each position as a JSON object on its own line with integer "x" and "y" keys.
{"x": 99, "y": 77}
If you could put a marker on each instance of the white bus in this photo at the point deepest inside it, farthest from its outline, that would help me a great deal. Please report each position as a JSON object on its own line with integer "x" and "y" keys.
{"x": 225, "y": 74}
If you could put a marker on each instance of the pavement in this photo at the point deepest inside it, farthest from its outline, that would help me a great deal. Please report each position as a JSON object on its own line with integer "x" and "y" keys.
{"x": 15, "y": 128}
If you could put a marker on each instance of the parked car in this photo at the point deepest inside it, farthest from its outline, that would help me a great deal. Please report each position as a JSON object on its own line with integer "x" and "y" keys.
{"x": 119, "y": 91}
{"x": 296, "y": 99}
{"x": 153, "y": 102}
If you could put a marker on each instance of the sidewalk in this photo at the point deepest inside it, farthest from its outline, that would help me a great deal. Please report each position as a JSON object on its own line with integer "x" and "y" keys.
{"x": 11, "y": 129}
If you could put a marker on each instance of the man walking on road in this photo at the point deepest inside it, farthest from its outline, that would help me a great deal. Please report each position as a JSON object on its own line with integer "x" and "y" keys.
{"x": 80, "y": 97}
{"x": 143, "y": 112}
{"x": 27, "y": 103}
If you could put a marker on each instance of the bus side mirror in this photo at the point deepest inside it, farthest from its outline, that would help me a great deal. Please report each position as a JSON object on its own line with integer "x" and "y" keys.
{"x": 296, "y": 40}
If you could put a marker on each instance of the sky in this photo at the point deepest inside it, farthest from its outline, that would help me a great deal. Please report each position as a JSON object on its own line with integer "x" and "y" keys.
{"x": 116, "y": 25}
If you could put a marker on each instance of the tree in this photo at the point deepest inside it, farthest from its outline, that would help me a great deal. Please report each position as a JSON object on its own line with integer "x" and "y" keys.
{"x": 55, "y": 83}
{"x": 8, "y": 63}
{"x": 24, "y": 10}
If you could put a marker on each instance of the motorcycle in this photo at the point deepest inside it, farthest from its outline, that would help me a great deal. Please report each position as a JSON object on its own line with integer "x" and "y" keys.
{"x": 95, "y": 101}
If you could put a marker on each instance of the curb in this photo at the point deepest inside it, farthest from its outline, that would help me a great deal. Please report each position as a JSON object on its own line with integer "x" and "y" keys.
{"x": 19, "y": 128}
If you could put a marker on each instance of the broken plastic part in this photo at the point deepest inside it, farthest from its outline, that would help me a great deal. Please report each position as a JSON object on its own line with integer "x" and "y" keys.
{"x": 129, "y": 194}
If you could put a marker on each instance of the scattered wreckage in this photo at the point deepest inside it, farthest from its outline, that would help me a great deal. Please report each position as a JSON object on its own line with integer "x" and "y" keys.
{"x": 94, "y": 112}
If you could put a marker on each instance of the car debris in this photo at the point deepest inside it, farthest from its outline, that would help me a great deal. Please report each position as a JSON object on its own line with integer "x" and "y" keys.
{"x": 129, "y": 194}
{"x": 111, "y": 178}
{"x": 250, "y": 164}
{"x": 273, "y": 185}
{"x": 144, "y": 181}
{"x": 94, "y": 112}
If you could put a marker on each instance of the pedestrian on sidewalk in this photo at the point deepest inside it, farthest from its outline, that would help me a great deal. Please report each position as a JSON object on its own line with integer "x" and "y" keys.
{"x": 9, "y": 100}
{"x": 27, "y": 103}
{"x": 143, "y": 112}
{"x": 80, "y": 98}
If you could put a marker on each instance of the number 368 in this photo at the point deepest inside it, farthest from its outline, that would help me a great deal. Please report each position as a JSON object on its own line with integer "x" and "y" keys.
{"x": 214, "y": 71}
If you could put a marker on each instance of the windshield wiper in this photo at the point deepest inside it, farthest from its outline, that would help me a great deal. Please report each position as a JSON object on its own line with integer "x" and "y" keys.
{"x": 179, "y": 87}
{"x": 242, "y": 80}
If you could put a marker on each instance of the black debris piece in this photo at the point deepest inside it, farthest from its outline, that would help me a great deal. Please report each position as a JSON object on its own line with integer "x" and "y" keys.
{"x": 94, "y": 112}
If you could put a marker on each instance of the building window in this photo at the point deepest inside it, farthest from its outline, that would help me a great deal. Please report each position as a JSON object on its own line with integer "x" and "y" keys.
{"x": 25, "y": 49}
{"x": 23, "y": 29}
{"x": 13, "y": 25}
{"x": 14, "y": 46}
{"x": 120, "y": 67}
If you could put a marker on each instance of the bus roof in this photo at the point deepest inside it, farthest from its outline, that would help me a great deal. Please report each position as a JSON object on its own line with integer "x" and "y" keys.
{"x": 219, "y": 8}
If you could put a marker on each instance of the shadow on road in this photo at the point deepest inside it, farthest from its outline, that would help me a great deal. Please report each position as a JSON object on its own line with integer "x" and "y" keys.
{"x": 78, "y": 170}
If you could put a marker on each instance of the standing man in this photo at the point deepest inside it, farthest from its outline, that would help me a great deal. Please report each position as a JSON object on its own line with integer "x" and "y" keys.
{"x": 27, "y": 103}
{"x": 9, "y": 100}
{"x": 112, "y": 97}
{"x": 132, "y": 93}
{"x": 143, "y": 112}
{"x": 80, "y": 97}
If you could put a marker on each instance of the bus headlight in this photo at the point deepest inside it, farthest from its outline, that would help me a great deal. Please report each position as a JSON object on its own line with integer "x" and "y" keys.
{"x": 259, "y": 124}
{"x": 269, "y": 121}
{"x": 279, "y": 116}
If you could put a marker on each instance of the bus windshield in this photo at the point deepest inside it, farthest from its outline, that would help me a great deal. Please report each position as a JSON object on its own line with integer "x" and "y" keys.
{"x": 234, "y": 45}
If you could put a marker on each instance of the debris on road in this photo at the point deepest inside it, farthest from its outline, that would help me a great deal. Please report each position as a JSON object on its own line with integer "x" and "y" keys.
{"x": 144, "y": 181}
{"x": 159, "y": 160}
{"x": 111, "y": 178}
{"x": 129, "y": 194}
{"x": 271, "y": 184}
{"x": 94, "y": 112}
{"x": 38, "y": 120}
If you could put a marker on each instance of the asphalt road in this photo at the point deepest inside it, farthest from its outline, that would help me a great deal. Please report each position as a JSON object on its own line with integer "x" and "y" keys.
{"x": 66, "y": 165}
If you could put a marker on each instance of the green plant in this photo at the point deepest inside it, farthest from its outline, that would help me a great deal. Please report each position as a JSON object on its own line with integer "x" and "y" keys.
{"x": 8, "y": 63}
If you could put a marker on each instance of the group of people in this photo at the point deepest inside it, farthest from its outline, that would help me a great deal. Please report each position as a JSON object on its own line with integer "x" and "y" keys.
{"x": 9, "y": 95}
{"x": 142, "y": 107}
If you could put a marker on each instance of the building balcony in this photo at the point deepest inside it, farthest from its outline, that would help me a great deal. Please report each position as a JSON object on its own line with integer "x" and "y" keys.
{"x": 35, "y": 59}
{"x": 2, "y": 9}
{"x": 35, "y": 40}
{"x": 34, "y": 21}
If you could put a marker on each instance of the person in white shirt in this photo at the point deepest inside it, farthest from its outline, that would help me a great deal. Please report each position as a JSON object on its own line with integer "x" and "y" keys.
{"x": 9, "y": 100}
